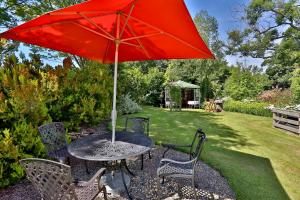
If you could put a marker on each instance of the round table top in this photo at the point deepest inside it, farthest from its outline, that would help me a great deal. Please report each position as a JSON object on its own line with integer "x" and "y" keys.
{"x": 98, "y": 147}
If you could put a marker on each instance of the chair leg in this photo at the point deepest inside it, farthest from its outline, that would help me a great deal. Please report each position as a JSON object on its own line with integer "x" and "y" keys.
{"x": 68, "y": 160}
{"x": 142, "y": 160}
{"x": 104, "y": 193}
{"x": 194, "y": 187}
{"x": 86, "y": 167}
{"x": 158, "y": 189}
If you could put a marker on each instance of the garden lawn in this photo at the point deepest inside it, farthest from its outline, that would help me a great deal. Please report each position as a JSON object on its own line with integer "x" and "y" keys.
{"x": 259, "y": 161}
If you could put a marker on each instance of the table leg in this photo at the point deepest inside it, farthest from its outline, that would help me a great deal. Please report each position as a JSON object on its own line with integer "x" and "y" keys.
{"x": 142, "y": 160}
{"x": 86, "y": 167}
{"x": 123, "y": 162}
{"x": 123, "y": 179}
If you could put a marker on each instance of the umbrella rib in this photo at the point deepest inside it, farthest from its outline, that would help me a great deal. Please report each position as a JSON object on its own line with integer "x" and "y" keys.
{"x": 93, "y": 31}
{"x": 142, "y": 36}
{"x": 106, "y": 50}
{"x": 126, "y": 22}
{"x": 130, "y": 44}
{"x": 139, "y": 41}
{"x": 97, "y": 26}
{"x": 169, "y": 34}
{"x": 86, "y": 12}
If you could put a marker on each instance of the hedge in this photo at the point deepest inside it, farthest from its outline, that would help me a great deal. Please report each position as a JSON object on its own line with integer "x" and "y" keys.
{"x": 253, "y": 108}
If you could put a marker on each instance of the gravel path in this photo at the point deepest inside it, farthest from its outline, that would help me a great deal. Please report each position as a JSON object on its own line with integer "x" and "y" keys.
{"x": 210, "y": 184}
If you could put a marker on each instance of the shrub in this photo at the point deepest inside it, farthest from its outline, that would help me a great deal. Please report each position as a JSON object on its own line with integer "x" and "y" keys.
{"x": 295, "y": 86}
{"x": 31, "y": 96}
{"x": 21, "y": 141}
{"x": 253, "y": 108}
{"x": 276, "y": 97}
{"x": 154, "y": 81}
{"x": 243, "y": 84}
{"x": 127, "y": 105}
{"x": 132, "y": 81}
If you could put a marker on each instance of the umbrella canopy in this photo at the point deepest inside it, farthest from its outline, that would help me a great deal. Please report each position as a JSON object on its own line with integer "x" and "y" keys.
{"x": 116, "y": 31}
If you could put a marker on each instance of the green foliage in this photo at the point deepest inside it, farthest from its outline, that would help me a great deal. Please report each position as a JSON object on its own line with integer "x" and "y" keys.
{"x": 21, "y": 141}
{"x": 253, "y": 108}
{"x": 272, "y": 33}
{"x": 209, "y": 30}
{"x": 133, "y": 83}
{"x": 155, "y": 87}
{"x": 175, "y": 94}
{"x": 295, "y": 86}
{"x": 31, "y": 95}
{"x": 280, "y": 75}
{"x": 244, "y": 84}
{"x": 206, "y": 90}
{"x": 143, "y": 82}
{"x": 127, "y": 105}
{"x": 86, "y": 94}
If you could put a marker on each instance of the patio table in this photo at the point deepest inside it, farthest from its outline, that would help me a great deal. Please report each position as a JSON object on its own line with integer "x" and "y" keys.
{"x": 98, "y": 147}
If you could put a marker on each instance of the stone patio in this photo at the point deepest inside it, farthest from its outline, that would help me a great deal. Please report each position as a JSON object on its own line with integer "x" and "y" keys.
{"x": 145, "y": 185}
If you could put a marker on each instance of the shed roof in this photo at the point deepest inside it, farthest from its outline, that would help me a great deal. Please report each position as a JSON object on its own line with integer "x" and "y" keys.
{"x": 183, "y": 84}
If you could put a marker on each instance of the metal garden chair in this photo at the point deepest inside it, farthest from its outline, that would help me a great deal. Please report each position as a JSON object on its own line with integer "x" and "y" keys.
{"x": 138, "y": 125}
{"x": 54, "y": 138}
{"x": 53, "y": 181}
{"x": 183, "y": 169}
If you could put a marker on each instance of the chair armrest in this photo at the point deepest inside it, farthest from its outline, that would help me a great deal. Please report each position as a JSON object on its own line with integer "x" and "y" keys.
{"x": 165, "y": 160}
{"x": 172, "y": 146}
{"x": 98, "y": 174}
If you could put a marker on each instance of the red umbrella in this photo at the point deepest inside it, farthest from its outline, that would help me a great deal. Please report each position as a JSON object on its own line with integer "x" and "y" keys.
{"x": 116, "y": 31}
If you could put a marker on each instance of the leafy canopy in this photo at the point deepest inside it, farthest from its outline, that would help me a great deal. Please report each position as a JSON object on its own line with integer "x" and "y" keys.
{"x": 272, "y": 33}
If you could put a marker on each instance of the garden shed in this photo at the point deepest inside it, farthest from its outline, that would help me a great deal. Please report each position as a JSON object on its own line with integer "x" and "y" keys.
{"x": 180, "y": 94}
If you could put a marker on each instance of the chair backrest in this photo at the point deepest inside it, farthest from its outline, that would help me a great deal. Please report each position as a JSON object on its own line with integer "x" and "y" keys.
{"x": 53, "y": 180}
{"x": 197, "y": 144}
{"x": 137, "y": 125}
{"x": 53, "y": 136}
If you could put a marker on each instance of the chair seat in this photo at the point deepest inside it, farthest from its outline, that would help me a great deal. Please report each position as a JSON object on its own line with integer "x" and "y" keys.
{"x": 60, "y": 154}
{"x": 174, "y": 169}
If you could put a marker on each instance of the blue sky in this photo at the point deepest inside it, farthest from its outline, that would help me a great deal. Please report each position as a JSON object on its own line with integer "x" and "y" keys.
{"x": 227, "y": 13}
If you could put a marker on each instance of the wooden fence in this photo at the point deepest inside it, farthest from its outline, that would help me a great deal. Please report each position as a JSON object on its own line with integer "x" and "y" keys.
{"x": 287, "y": 119}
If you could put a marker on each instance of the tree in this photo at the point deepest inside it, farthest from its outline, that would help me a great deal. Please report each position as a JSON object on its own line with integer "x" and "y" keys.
{"x": 244, "y": 83}
{"x": 209, "y": 30}
{"x": 132, "y": 82}
{"x": 272, "y": 33}
{"x": 154, "y": 80}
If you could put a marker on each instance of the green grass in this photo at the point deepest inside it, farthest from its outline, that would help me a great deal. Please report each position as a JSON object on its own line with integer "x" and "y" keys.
{"x": 259, "y": 161}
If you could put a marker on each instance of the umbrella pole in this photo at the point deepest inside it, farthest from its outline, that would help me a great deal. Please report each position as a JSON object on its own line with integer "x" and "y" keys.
{"x": 114, "y": 111}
